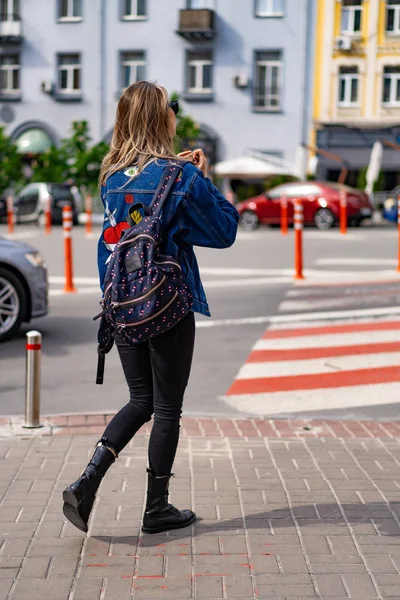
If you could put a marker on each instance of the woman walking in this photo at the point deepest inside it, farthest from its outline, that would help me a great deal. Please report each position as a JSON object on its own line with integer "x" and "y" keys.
{"x": 156, "y": 371}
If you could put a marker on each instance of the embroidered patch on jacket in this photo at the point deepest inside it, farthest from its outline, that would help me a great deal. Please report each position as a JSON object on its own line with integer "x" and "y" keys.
{"x": 131, "y": 172}
{"x": 136, "y": 216}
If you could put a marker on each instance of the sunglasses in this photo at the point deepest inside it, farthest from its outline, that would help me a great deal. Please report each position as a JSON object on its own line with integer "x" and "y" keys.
{"x": 175, "y": 106}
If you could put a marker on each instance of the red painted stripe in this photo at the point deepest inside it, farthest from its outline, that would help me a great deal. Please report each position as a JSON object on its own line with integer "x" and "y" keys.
{"x": 33, "y": 346}
{"x": 316, "y": 381}
{"x": 328, "y": 329}
{"x": 259, "y": 356}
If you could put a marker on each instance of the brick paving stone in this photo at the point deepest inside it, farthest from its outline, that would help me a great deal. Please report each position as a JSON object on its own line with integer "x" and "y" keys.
{"x": 317, "y": 515}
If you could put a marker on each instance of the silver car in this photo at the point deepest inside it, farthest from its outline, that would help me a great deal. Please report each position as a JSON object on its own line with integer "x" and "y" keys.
{"x": 23, "y": 286}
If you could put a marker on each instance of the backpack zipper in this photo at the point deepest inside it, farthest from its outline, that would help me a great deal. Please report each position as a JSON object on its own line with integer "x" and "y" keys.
{"x": 153, "y": 316}
{"x": 167, "y": 262}
{"x": 140, "y": 298}
{"x": 133, "y": 239}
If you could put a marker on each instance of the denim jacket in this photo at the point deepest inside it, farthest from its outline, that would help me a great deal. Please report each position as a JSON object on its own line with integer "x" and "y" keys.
{"x": 195, "y": 214}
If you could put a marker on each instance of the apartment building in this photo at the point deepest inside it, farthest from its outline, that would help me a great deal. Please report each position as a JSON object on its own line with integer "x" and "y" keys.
{"x": 357, "y": 84}
{"x": 241, "y": 67}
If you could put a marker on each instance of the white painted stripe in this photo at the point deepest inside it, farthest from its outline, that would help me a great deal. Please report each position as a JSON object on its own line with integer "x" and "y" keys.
{"x": 67, "y": 234}
{"x": 356, "y": 261}
{"x": 54, "y": 279}
{"x": 319, "y": 365}
{"x": 21, "y": 235}
{"x": 329, "y": 341}
{"x": 301, "y": 401}
{"x": 240, "y": 272}
{"x": 302, "y": 320}
{"x": 291, "y": 306}
{"x": 238, "y": 283}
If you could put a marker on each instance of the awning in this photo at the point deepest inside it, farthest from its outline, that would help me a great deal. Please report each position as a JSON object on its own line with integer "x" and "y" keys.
{"x": 33, "y": 141}
{"x": 249, "y": 167}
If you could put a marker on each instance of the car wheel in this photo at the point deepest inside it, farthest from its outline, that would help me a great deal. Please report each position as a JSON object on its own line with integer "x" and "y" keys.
{"x": 324, "y": 219}
{"x": 249, "y": 220}
{"x": 13, "y": 303}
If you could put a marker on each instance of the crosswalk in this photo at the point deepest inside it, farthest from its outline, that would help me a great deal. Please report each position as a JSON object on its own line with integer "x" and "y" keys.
{"x": 320, "y": 367}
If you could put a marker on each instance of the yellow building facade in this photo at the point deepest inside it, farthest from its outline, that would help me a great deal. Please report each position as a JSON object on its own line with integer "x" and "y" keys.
{"x": 357, "y": 81}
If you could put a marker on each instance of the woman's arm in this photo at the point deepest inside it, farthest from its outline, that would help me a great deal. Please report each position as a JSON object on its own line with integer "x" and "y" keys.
{"x": 207, "y": 218}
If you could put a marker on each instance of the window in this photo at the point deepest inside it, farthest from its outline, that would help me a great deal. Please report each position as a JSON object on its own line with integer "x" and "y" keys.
{"x": 269, "y": 8}
{"x": 69, "y": 74}
{"x": 133, "y": 66}
{"x": 199, "y": 76}
{"x": 391, "y": 86}
{"x": 351, "y": 16}
{"x": 70, "y": 10}
{"x": 201, "y": 4}
{"x": 348, "y": 86}
{"x": 9, "y": 74}
{"x": 134, "y": 9}
{"x": 393, "y": 17}
{"x": 9, "y": 10}
{"x": 268, "y": 80}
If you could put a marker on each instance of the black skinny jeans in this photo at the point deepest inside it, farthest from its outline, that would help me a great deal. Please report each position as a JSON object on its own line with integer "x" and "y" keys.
{"x": 157, "y": 373}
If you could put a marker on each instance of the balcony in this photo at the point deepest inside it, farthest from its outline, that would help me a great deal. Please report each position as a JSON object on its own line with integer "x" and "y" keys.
{"x": 197, "y": 24}
{"x": 10, "y": 29}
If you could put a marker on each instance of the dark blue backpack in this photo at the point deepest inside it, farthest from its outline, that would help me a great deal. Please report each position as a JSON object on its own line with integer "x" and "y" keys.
{"x": 144, "y": 292}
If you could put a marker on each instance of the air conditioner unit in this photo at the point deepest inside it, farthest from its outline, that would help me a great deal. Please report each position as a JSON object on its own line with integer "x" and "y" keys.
{"x": 241, "y": 81}
{"x": 343, "y": 43}
{"x": 47, "y": 86}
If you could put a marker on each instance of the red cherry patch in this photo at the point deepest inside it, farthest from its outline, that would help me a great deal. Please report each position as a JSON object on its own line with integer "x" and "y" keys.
{"x": 129, "y": 199}
{"x": 113, "y": 234}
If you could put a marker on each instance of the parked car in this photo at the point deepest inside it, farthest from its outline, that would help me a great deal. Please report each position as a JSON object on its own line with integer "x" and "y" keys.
{"x": 23, "y": 286}
{"x": 389, "y": 208}
{"x": 321, "y": 201}
{"x": 31, "y": 202}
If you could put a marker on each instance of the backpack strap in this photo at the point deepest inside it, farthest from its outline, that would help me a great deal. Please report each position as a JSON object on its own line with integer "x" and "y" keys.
{"x": 167, "y": 181}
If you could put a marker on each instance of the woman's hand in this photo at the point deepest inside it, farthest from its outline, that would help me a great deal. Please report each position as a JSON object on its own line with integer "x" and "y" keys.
{"x": 197, "y": 157}
{"x": 200, "y": 161}
{"x": 187, "y": 155}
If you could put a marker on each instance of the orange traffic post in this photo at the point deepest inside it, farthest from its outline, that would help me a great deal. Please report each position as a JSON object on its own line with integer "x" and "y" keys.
{"x": 343, "y": 212}
{"x": 398, "y": 226}
{"x": 67, "y": 227}
{"x": 298, "y": 238}
{"x": 47, "y": 215}
{"x": 284, "y": 215}
{"x": 10, "y": 214}
{"x": 89, "y": 213}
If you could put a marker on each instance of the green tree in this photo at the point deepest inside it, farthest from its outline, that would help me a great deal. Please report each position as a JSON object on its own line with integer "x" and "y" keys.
{"x": 10, "y": 163}
{"x": 379, "y": 184}
{"x": 186, "y": 128}
{"x": 75, "y": 159}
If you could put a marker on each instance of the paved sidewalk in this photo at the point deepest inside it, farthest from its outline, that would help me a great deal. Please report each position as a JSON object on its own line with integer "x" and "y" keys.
{"x": 289, "y": 510}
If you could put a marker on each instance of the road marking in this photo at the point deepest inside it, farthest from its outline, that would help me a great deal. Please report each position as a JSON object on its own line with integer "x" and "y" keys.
{"x": 303, "y": 401}
{"x": 324, "y": 329}
{"x": 356, "y": 261}
{"x": 327, "y": 341}
{"x": 342, "y": 363}
{"x": 264, "y": 356}
{"x": 299, "y": 370}
{"x": 299, "y": 318}
{"x": 21, "y": 235}
{"x": 57, "y": 279}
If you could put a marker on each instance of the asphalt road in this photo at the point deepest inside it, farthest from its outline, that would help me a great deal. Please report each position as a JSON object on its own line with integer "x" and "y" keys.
{"x": 245, "y": 285}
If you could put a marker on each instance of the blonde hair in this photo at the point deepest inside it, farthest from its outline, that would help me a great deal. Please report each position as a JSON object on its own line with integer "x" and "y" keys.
{"x": 141, "y": 130}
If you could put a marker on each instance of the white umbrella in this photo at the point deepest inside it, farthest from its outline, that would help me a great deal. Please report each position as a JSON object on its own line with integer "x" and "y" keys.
{"x": 249, "y": 167}
{"x": 374, "y": 167}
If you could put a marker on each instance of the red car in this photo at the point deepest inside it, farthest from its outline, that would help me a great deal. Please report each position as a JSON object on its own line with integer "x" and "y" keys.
{"x": 321, "y": 202}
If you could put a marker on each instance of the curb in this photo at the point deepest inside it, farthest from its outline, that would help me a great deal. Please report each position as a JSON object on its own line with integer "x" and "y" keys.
{"x": 94, "y": 424}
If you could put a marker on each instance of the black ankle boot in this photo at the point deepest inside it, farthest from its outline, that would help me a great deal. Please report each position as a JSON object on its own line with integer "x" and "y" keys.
{"x": 79, "y": 497}
{"x": 159, "y": 515}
